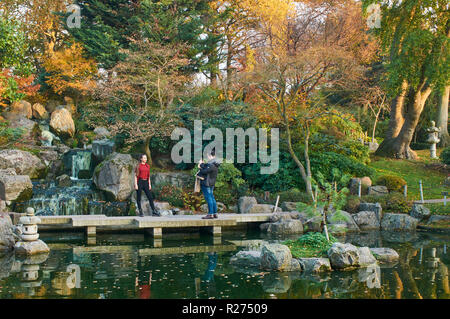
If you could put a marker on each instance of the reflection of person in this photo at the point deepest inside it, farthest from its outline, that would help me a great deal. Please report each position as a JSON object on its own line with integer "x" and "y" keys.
{"x": 143, "y": 281}
{"x": 209, "y": 172}
{"x": 208, "y": 277}
{"x": 142, "y": 183}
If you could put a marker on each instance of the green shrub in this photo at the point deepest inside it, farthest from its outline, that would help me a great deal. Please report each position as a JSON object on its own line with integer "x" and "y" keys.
{"x": 445, "y": 155}
{"x": 294, "y": 195}
{"x": 394, "y": 202}
{"x": 352, "y": 204}
{"x": 392, "y": 182}
{"x": 9, "y": 135}
{"x": 169, "y": 193}
{"x": 312, "y": 244}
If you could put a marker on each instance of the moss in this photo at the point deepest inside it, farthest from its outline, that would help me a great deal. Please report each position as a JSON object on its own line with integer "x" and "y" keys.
{"x": 310, "y": 245}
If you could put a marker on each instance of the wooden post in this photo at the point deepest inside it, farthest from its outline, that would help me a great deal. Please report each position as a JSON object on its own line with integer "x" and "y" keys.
{"x": 421, "y": 191}
{"x": 405, "y": 191}
{"x": 276, "y": 204}
{"x": 359, "y": 188}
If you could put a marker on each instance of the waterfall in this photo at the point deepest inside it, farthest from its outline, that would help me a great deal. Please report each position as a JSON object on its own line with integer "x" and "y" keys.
{"x": 80, "y": 161}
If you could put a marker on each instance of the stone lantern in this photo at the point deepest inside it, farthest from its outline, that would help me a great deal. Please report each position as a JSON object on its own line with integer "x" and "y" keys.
{"x": 433, "y": 138}
{"x": 30, "y": 273}
{"x": 30, "y": 243}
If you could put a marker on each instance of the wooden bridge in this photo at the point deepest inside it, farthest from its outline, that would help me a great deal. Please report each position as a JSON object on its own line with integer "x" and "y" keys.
{"x": 154, "y": 224}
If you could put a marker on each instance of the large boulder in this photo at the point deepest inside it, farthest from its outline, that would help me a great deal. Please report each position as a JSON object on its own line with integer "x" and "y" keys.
{"x": 24, "y": 163}
{"x": 372, "y": 207}
{"x": 285, "y": 227}
{"x": 378, "y": 190}
{"x": 385, "y": 255}
{"x": 366, "y": 257}
{"x": 7, "y": 238}
{"x": 343, "y": 218}
{"x": 313, "y": 224}
{"x": 39, "y": 112}
{"x": 115, "y": 176}
{"x": 22, "y": 108}
{"x": 29, "y": 128}
{"x": 31, "y": 248}
{"x": 366, "y": 220}
{"x": 315, "y": 265}
{"x": 245, "y": 203}
{"x": 420, "y": 212}
{"x": 15, "y": 187}
{"x": 247, "y": 258}
{"x": 278, "y": 257}
{"x": 343, "y": 256}
{"x": 399, "y": 222}
{"x": 221, "y": 207}
{"x": 101, "y": 132}
{"x": 280, "y": 216}
{"x": 62, "y": 123}
{"x": 289, "y": 206}
{"x": 262, "y": 209}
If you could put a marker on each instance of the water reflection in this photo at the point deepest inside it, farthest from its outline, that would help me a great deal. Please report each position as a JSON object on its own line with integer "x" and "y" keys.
{"x": 199, "y": 268}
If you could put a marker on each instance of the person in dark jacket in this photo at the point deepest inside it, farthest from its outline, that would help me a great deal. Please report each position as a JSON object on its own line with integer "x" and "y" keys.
{"x": 209, "y": 172}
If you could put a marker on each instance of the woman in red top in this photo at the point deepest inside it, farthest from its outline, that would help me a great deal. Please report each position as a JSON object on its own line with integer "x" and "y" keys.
{"x": 142, "y": 183}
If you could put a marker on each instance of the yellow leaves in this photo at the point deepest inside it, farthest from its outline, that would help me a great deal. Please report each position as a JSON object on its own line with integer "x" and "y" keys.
{"x": 69, "y": 69}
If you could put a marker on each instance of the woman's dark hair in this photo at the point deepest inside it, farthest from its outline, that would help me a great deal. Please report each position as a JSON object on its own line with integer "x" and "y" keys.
{"x": 140, "y": 157}
{"x": 213, "y": 152}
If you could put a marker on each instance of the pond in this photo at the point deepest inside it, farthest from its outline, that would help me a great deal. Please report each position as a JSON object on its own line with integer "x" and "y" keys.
{"x": 197, "y": 266}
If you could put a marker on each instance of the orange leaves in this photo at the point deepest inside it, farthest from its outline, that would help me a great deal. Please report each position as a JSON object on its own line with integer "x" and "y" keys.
{"x": 69, "y": 69}
{"x": 14, "y": 87}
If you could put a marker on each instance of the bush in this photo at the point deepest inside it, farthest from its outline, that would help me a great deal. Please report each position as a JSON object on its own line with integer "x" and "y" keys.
{"x": 169, "y": 193}
{"x": 392, "y": 182}
{"x": 352, "y": 204}
{"x": 445, "y": 155}
{"x": 294, "y": 195}
{"x": 9, "y": 135}
{"x": 192, "y": 200}
{"x": 393, "y": 202}
{"x": 312, "y": 244}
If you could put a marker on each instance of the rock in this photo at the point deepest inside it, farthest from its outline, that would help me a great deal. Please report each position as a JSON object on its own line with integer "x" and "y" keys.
{"x": 342, "y": 217}
{"x": 22, "y": 108}
{"x": 285, "y": 227}
{"x": 279, "y": 216}
{"x": 366, "y": 220}
{"x": 353, "y": 185}
{"x": 39, "y": 112}
{"x": 276, "y": 257}
{"x": 64, "y": 181}
{"x": 28, "y": 127}
{"x": 15, "y": 188}
{"x": 420, "y": 212}
{"x": 162, "y": 205}
{"x": 399, "y": 222}
{"x": 24, "y": 163}
{"x": 262, "y": 208}
{"x": 343, "y": 256}
{"x": 276, "y": 283}
{"x": 337, "y": 229}
{"x": 315, "y": 265}
{"x": 102, "y": 148}
{"x": 438, "y": 218}
{"x": 313, "y": 224}
{"x": 165, "y": 212}
{"x": 372, "y": 146}
{"x": 263, "y": 227}
{"x": 31, "y": 247}
{"x": 385, "y": 255}
{"x": 115, "y": 176}
{"x": 101, "y": 132}
{"x": 178, "y": 179}
{"x": 365, "y": 256}
{"x": 7, "y": 238}
{"x": 246, "y": 258}
{"x": 52, "y": 105}
{"x": 47, "y": 138}
{"x": 62, "y": 123}
{"x": 378, "y": 190}
{"x": 245, "y": 203}
{"x": 289, "y": 206}
{"x": 372, "y": 207}
{"x": 48, "y": 156}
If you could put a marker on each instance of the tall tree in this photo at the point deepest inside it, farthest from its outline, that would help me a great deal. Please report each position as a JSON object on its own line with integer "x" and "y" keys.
{"x": 442, "y": 120}
{"x": 415, "y": 38}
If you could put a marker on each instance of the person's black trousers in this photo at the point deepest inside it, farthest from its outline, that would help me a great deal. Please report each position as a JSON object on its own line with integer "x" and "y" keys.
{"x": 143, "y": 186}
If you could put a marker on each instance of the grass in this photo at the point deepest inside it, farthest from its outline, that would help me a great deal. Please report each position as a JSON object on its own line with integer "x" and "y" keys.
{"x": 310, "y": 245}
{"x": 413, "y": 171}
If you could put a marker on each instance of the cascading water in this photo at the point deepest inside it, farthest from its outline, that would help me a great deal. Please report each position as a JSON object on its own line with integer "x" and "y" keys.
{"x": 81, "y": 161}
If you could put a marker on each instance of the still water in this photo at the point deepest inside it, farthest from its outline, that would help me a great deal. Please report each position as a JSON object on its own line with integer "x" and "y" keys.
{"x": 197, "y": 266}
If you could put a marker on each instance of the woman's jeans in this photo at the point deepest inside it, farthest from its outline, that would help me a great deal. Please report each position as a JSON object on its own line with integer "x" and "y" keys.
{"x": 143, "y": 186}
{"x": 210, "y": 200}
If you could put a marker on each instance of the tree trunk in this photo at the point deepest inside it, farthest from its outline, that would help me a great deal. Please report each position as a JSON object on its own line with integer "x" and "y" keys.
{"x": 396, "y": 145}
{"x": 442, "y": 120}
{"x": 147, "y": 151}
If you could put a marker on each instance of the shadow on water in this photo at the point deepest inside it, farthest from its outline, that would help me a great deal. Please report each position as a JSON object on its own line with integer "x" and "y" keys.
{"x": 197, "y": 266}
